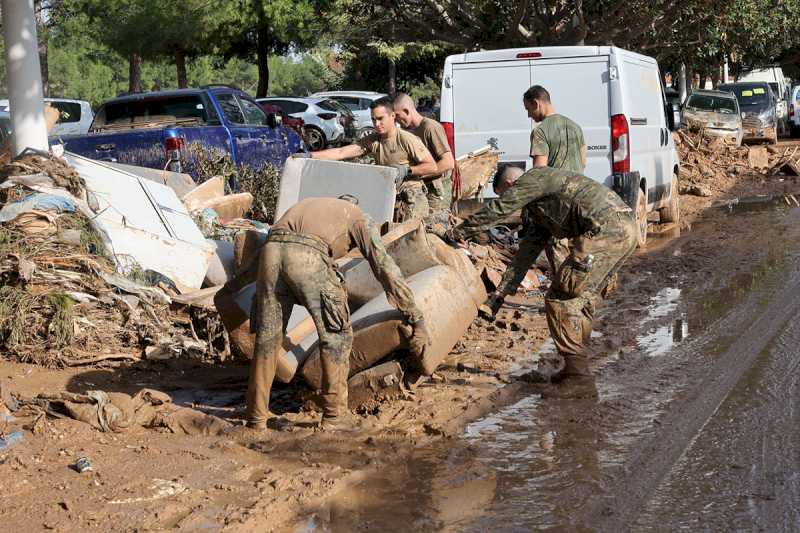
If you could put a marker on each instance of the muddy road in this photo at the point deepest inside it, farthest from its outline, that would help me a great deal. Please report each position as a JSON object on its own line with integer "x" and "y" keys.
{"x": 695, "y": 426}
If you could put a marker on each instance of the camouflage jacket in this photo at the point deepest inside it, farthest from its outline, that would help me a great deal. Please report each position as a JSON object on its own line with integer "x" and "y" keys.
{"x": 555, "y": 203}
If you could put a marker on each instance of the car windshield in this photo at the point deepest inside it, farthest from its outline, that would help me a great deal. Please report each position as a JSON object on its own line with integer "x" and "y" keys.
{"x": 749, "y": 95}
{"x": 153, "y": 109}
{"x": 707, "y": 102}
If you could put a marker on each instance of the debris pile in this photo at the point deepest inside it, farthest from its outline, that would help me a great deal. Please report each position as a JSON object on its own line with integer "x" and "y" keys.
{"x": 712, "y": 164}
{"x": 75, "y": 288}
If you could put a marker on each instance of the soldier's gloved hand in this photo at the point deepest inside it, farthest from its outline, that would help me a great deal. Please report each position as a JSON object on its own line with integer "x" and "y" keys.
{"x": 488, "y": 310}
{"x": 420, "y": 339}
{"x": 403, "y": 171}
{"x": 454, "y": 237}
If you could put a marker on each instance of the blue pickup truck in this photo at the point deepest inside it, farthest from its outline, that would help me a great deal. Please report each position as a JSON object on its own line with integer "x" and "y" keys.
{"x": 156, "y": 130}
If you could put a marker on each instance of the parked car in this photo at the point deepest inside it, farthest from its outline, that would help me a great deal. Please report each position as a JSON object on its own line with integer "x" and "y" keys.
{"x": 155, "y": 130}
{"x": 75, "y": 115}
{"x": 296, "y": 124}
{"x": 358, "y": 103}
{"x": 794, "y": 111}
{"x": 616, "y": 96}
{"x": 326, "y": 122}
{"x": 758, "y": 109}
{"x": 716, "y": 112}
{"x": 780, "y": 89}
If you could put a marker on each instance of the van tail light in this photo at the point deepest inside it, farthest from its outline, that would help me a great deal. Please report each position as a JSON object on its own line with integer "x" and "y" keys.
{"x": 172, "y": 151}
{"x": 620, "y": 144}
{"x": 450, "y": 132}
{"x": 326, "y": 116}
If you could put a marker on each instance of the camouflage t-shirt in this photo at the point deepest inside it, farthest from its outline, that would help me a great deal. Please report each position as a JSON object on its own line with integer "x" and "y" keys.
{"x": 560, "y": 140}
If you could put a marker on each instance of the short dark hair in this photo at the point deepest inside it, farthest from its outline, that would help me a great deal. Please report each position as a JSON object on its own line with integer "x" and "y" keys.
{"x": 383, "y": 101}
{"x": 537, "y": 92}
{"x": 499, "y": 176}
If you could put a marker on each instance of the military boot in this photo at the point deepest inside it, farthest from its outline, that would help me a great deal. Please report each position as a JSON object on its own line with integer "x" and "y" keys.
{"x": 576, "y": 381}
{"x": 549, "y": 369}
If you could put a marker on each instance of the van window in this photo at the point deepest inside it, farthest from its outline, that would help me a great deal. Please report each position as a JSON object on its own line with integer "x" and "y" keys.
{"x": 68, "y": 111}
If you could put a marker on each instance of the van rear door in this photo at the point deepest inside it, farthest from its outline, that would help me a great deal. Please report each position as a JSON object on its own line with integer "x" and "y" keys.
{"x": 579, "y": 90}
{"x": 487, "y": 104}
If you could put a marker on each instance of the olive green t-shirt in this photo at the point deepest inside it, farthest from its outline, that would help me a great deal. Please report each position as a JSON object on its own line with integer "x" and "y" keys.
{"x": 561, "y": 141}
{"x": 403, "y": 148}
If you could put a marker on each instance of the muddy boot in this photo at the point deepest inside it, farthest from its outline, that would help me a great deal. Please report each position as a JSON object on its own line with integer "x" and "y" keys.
{"x": 577, "y": 380}
{"x": 550, "y": 369}
{"x": 346, "y": 423}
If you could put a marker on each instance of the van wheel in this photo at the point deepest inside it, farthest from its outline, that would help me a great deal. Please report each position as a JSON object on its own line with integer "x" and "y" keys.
{"x": 672, "y": 213}
{"x": 641, "y": 219}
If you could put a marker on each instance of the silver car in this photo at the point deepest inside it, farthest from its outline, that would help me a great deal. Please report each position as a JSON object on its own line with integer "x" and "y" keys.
{"x": 358, "y": 103}
{"x": 326, "y": 122}
{"x": 717, "y": 112}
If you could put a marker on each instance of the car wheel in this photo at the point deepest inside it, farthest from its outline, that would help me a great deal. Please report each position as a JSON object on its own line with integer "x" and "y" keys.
{"x": 672, "y": 213}
{"x": 641, "y": 218}
{"x": 315, "y": 139}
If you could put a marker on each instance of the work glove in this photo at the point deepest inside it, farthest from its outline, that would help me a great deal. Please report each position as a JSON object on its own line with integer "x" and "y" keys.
{"x": 488, "y": 310}
{"x": 403, "y": 171}
{"x": 420, "y": 339}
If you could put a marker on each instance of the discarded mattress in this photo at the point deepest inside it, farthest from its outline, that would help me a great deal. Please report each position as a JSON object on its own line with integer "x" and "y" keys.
{"x": 446, "y": 303}
{"x": 306, "y": 178}
{"x": 412, "y": 249}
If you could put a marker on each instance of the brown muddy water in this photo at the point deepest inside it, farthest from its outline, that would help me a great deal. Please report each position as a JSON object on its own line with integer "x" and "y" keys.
{"x": 695, "y": 427}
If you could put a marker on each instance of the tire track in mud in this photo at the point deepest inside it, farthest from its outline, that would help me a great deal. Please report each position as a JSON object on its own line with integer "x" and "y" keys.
{"x": 761, "y": 317}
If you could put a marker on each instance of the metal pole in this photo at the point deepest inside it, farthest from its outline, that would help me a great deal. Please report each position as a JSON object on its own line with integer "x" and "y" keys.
{"x": 25, "y": 95}
{"x": 682, "y": 89}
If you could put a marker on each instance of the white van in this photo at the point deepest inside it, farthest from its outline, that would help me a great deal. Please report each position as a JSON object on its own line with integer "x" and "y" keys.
{"x": 76, "y": 116}
{"x": 616, "y": 96}
{"x": 780, "y": 88}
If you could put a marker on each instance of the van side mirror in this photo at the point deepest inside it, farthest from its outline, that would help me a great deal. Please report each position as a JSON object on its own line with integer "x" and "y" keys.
{"x": 273, "y": 120}
{"x": 674, "y": 118}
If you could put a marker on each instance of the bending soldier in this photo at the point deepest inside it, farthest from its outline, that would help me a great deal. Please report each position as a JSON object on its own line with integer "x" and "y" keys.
{"x": 296, "y": 266}
{"x": 561, "y": 204}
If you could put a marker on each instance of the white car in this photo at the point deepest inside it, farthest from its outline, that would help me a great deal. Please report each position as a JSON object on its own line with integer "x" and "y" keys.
{"x": 616, "y": 96}
{"x": 76, "y": 115}
{"x": 326, "y": 121}
{"x": 358, "y": 102}
{"x": 794, "y": 111}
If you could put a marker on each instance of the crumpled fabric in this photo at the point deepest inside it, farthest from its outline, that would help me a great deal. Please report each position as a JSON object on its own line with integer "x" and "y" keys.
{"x": 117, "y": 412}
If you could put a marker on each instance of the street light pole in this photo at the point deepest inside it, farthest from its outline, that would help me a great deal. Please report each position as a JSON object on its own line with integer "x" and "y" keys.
{"x": 25, "y": 95}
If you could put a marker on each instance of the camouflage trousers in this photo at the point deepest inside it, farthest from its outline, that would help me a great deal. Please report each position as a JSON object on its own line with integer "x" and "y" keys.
{"x": 570, "y": 302}
{"x": 293, "y": 271}
{"x": 412, "y": 201}
{"x": 440, "y": 198}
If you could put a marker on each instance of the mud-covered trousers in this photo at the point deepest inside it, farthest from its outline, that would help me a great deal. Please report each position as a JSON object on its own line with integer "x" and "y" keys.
{"x": 570, "y": 302}
{"x": 294, "y": 273}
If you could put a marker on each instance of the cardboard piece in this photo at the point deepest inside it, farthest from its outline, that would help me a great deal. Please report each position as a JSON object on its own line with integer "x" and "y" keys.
{"x": 229, "y": 206}
{"x": 307, "y": 178}
{"x": 208, "y": 190}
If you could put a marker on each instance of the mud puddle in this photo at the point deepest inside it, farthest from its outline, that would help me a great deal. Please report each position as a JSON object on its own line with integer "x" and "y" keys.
{"x": 549, "y": 463}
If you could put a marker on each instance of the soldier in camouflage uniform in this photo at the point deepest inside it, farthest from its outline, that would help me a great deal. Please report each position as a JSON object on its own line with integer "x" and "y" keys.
{"x": 393, "y": 147}
{"x": 561, "y": 204}
{"x": 296, "y": 266}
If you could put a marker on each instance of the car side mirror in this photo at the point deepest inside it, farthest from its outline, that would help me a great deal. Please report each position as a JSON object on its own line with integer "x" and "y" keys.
{"x": 674, "y": 118}
{"x": 273, "y": 120}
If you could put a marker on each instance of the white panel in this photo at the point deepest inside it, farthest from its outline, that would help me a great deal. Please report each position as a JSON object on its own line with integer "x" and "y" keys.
{"x": 308, "y": 178}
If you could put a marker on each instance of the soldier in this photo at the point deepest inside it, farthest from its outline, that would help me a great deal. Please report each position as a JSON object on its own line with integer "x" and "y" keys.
{"x": 556, "y": 142}
{"x": 296, "y": 266}
{"x": 564, "y": 205}
{"x": 440, "y": 185}
{"x": 391, "y": 146}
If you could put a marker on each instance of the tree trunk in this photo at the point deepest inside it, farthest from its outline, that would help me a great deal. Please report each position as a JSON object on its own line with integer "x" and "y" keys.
{"x": 135, "y": 73}
{"x": 392, "y": 86}
{"x": 42, "y": 34}
{"x": 180, "y": 64}
{"x": 358, "y": 71}
{"x": 262, "y": 52}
